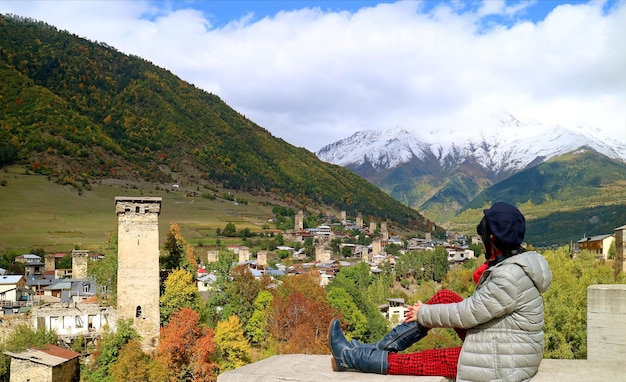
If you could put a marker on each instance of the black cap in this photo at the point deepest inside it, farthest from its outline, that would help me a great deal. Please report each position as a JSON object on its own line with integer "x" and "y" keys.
{"x": 507, "y": 224}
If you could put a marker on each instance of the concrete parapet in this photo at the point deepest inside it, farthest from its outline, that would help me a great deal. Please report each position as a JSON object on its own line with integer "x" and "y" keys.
{"x": 606, "y": 322}
{"x": 606, "y": 353}
{"x": 315, "y": 368}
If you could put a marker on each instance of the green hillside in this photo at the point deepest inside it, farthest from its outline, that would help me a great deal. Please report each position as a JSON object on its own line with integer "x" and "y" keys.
{"x": 568, "y": 197}
{"x": 79, "y": 111}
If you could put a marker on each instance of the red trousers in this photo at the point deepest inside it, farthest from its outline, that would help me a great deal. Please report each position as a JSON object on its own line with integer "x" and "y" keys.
{"x": 433, "y": 362}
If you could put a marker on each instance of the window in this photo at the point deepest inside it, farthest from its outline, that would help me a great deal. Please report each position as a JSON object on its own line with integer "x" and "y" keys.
{"x": 90, "y": 319}
{"x": 79, "y": 321}
{"x": 137, "y": 209}
{"x": 138, "y": 312}
{"x": 86, "y": 288}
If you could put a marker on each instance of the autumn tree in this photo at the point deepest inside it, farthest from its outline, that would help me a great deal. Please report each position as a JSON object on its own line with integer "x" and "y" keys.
{"x": 179, "y": 254}
{"x": 132, "y": 365}
{"x": 180, "y": 292}
{"x": 186, "y": 348}
{"x": 299, "y": 316}
{"x": 233, "y": 350}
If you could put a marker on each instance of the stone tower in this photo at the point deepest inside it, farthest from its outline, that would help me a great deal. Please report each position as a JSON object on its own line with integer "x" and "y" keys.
{"x": 383, "y": 230}
{"x": 50, "y": 262}
{"x": 359, "y": 220}
{"x": 372, "y": 227}
{"x": 79, "y": 263}
{"x": 299, "y": 221}
{"x": 138, "y": 265}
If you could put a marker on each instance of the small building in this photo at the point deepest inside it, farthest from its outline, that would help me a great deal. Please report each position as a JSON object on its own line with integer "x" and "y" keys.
{"x": 457, "y": 255}
{"x": 394, "y": 310}
{"x": 69, "y": 321}
{"x": 14, "y": 293}
{"x": 49, "y": 364}
{"x": 598, "y": 245}
{"x": 27, "y": 258}
{"x": 34, "y": 269}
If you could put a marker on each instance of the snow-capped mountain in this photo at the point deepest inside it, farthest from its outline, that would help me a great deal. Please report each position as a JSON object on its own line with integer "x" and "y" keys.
{"x": 508, "y": 148}
{"x": 442, "y": 172}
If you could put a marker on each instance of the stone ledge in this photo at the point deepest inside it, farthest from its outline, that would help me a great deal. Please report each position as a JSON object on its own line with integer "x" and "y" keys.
{"x": 315, "y": 368}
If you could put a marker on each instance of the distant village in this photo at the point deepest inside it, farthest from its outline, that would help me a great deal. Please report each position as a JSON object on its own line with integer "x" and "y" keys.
{"x": 66, "y": 300}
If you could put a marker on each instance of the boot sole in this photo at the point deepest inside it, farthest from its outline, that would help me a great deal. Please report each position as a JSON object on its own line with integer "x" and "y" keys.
{"x": 334, "y": 364}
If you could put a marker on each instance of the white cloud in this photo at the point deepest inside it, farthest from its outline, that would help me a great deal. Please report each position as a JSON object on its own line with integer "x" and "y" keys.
{"x": 312, "y": 77}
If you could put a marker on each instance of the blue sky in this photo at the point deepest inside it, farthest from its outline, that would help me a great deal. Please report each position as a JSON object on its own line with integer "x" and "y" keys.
{"x": 222, "y": 12}
{"x": 314, "y": 72}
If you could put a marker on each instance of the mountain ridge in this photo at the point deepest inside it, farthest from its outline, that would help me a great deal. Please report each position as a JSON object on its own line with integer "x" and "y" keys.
{"x": 440, "y": 174}
{"x": 78, "y": 111}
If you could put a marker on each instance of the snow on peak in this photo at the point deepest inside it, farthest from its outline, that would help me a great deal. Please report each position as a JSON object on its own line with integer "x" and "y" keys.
{"x": 509, "y": 145}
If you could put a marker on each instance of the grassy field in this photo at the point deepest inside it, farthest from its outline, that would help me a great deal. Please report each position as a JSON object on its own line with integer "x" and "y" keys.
{"x": 35, "y": 213}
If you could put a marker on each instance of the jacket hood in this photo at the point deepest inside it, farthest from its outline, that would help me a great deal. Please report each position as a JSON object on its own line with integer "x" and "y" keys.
{"x": 536, "y": 267}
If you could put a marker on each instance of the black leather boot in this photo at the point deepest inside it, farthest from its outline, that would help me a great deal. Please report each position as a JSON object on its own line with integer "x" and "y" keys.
{"x": 346, "y": 356}
{"x": 399, "y": 338}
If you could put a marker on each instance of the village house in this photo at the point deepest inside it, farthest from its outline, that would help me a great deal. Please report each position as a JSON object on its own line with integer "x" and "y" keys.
{"x": 394, "y": 310}
{"x": 69, "y": 320}
{"x": 34, "y": 269}
{"x": 27, "y": 258}
{"x": 457, "y": 255}
{"x": 598, "y": 245}
{"x": 49, "y": 364}
{"x": 14, "y": 293}
{"x": 70, "y": 290}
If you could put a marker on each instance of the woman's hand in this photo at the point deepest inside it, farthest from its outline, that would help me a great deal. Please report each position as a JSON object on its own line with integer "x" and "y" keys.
{"x": 411, "y": 314}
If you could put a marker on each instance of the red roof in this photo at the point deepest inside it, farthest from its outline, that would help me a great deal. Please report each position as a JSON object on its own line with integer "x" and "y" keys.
{"x": 59, "y": 352}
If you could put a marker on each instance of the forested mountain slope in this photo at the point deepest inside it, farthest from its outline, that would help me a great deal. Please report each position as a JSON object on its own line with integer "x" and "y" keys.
{"x": 78, "y": 110}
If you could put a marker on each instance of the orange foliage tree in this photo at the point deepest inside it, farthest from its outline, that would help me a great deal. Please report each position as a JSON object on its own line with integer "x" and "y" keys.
{"x": 300, "y": 316}
{"x": 187, "y": 349}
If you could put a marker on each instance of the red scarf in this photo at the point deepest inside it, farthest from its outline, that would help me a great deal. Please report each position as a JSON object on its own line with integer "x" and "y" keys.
{"x": 479, "y": 272}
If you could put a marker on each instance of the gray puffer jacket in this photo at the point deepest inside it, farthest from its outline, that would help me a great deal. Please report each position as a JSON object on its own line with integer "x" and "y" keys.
{"x": 504, "y": 318}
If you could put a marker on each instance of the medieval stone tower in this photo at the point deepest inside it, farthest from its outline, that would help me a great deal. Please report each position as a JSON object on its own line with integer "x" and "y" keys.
{"x": 138, "y": 265}
{"x": 299, "y": 221}
{"x": 79, "y": 263}
{"x": 359, "y": 220}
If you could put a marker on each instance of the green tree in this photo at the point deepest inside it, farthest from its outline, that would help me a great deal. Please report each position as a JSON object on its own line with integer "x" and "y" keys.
{"x": 107, "y": 353}
{"x": 230, "y": 230}
{"x": 355, "y": 280}
{"x": 104, "y": 271}
{"x": 240, "y": 293}
{"x": 21, "y": 338}
{"x": 355, "y": 320}
{"x": 566, "y": 301}
{"x": 256, "y": 327}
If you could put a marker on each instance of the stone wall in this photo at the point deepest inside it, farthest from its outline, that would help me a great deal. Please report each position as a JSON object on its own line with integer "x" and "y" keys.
{"x": 24, "y": 370}
{"x": 9, "y": 323}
